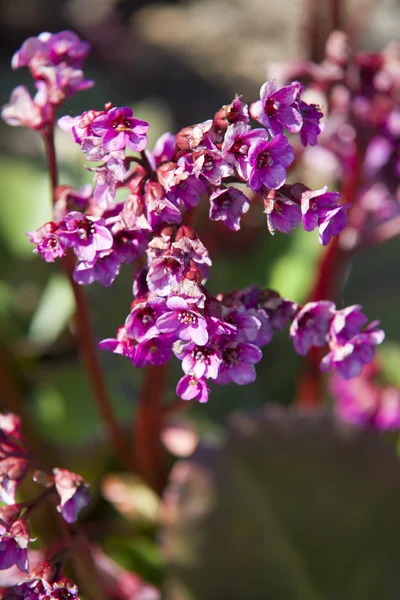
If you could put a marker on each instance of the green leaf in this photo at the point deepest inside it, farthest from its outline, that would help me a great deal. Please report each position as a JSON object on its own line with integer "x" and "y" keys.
{"x": 292, "y": 507}
{"x": 55, "y": 309}
{"x": 389, "y": 361}
{"x": 24, "y": 203}
{"x": 293, "y": 271}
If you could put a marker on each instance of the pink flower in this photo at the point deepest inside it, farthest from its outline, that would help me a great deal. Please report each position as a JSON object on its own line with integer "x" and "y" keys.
{"x": 184, "y": 321}
{"x": 190, "y": 388}
{"x": 119, "y": 130}
{"x": 238, "y": 363}
{"x": 14, "y": 546}
{"x": 73, "y": 492}
{"x": 311, "y": 325}
{"x": 277, "y": 108}
{"x": 228, "y": 205}
{"x": 23, "y": 111}
{"x": 268, "y": 162}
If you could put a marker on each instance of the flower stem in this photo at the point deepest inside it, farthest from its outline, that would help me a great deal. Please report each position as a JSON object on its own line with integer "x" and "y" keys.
{"x": 149, "y": 452}
{"x": 332, "y": 264}
{"x": 84, "y": 328}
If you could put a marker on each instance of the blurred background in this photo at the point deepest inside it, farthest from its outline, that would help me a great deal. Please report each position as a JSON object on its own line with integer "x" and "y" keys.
{"x": 175, "y": 63}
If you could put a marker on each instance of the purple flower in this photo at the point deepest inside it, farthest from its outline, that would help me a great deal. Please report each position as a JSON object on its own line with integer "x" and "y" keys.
{"x": 47, "y": 241}
{"x": 199, "y": 361}
{"x": 55, "y": 60}
{"x": 216, "y": 324}
{"x": 314, "y": 204}
{"x": 128, "y": 245}
{"x": 350, "y": 348}
{"x": 268, "y": 161}
{"x": 123, "y": 344}
{"x": 234, "y": 112}
{"x": 312, "y": 127}
{"x": 188, "y": 246}
{"x": 277, "y": 108}
{"x": 106, "y": 187}
{"x": 184, "y": 321}
{"x": 238, "y": 363}
{"x": 163, "y": 151}
{"x": 311, "y": 325}
{"x": 187, "y": 192}
{"x": 51, "y": 49}
{"x": 388, "y": 414}
{"x": 196, "y": 137}
{"x": 118, "y": 129}
{"x": 154, "y": 351}
{"x": 63, "y": 81}
{"x": 246, "y": 322}
{"x": 190, "y": 388}
{"x": 103, "y": 269}
{"x": 279, "y": 310}
{"x": 41, "y": 586}
{"x": 333, "y": 223}
{"x": 141, "y": 322}
{"x": 282, "y": 213}
{"x": 14, "y": 459}
{"x": 14, "y": 546}
{"x": 210, "y": 166}
{"x": 164, "y": 274}
{"x": 236, "y": 145}
{"x": 81, "y": 126}
{"x": 24, "y": 111}
{"x": 73, "y": 492}
{"x": 228, "y": 205}
{"x": 85, "y": 235}
{"x": 363, "y": 402}
{"x": 158, "y": 208}
{"x": 320, "y": 209}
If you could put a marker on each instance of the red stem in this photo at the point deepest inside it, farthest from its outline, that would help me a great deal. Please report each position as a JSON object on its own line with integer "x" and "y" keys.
{"x": 149, "y": 452}
{"x": 331, "y": 266}
{"x": 84, "y": 328}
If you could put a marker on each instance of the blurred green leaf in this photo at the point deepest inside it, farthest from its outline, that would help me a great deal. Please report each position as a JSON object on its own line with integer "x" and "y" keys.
{"x": 293, "y": 271}
{"x": 55, "y": 309}
{"x": 24, "y": 203}
{"x": 389, "y": 355}
{"x": 292, "y": 507}
{"x": 63, "y": 408}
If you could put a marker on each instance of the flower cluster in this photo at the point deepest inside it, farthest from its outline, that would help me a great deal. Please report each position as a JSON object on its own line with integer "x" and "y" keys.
{"x": 15, "y": 462}
{"x": 44, "y": 583}
{"x": 55, "y": 62}
{"x": 221, "y": 338}
{"x": 216, "y": 338}
{"x": 350, "y": 346}
{"x": 361, "y": 93}
{"x": 364, "y": 401}
{"x": 200, "y": 161}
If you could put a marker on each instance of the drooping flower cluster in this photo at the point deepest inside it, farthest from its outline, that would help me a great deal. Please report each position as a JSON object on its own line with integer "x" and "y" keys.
{"x": 350, "y": 346}
{"x": 216, "y": 338}
{"x": 15, "y": 461}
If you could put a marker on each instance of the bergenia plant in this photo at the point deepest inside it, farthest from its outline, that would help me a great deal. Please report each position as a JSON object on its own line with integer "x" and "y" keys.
{"x": 241, "y": 157}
